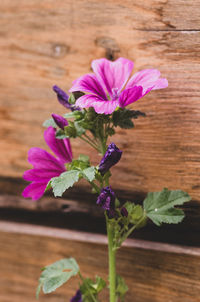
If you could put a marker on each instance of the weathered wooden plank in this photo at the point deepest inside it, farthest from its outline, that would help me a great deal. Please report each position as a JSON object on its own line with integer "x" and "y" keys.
{"x": 171, "y": 274}
{"x": 47, "y": 43}
{"x": 141, "y": 14}
{"x": 72, "y": 213}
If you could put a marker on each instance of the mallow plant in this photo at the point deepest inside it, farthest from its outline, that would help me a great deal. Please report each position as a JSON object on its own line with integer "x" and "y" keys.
{"x": 97, "y": 104}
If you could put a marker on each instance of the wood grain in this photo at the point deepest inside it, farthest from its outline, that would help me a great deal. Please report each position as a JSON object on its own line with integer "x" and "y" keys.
{"x": 43, "y": 43}
{"x": 73, "y": 213}
{"x": 151, "y": 275}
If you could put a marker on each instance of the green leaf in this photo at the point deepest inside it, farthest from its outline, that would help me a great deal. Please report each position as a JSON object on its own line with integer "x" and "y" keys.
{"x": 49, "y": 122}
{"x": 91, "y": 288}
{"x": 56, "y": 274}
{"x": 79, "y": 128}
{"x": 61, "y": 183}
{"x": 159, "y": 206}
{"x": 121, "y": 287}
{"x": 122, "y": 117}
{"x": 84, "y": 158}
{"x": 89, "y": 173}
{"x": 60, "y": 134}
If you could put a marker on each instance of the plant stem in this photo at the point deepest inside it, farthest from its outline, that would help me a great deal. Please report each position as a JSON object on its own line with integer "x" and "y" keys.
{"x": 112, "y": 261}
{"x": 88, "y": 142}
{"x": 89, "y": 139}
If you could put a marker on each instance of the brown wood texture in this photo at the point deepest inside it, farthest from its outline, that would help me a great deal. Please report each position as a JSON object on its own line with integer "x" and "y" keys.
{"x": 170, "y": 273}
{"x": 53, "y": 42}
{"x": 84, "y": 215}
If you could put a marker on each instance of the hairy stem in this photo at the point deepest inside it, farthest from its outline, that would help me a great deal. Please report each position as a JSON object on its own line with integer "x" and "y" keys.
{"x": 112, "y": 262}
{"x": 90, "y": 143}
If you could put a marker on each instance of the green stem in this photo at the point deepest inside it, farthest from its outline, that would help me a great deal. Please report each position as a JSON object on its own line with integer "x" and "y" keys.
{"x": 91, "y": 294}
{"x": 97, "y": 189}
{"x": 112, "y": 262}
{"x": 88, "y": 142}
{"x": 127, "y": 234}
{"x": 89, "y": 139}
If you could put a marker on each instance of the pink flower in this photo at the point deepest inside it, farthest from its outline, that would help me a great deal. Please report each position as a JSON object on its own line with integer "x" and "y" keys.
{"x": 45, "y": 165}
{"x": 105, "y": 88}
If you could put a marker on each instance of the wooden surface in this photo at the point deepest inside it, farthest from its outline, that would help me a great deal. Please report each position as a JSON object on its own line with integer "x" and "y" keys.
{"x": 169, "y": 274}
{"x": 46, "y": 43}
{"x": 71, "y": 213}
{"x": 49, "y": 42}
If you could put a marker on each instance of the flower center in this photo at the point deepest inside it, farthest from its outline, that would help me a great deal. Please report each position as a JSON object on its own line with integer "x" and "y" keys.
{"x": 115, "y": 93}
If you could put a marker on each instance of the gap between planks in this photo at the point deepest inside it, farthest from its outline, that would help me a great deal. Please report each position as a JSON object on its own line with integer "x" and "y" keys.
{"x": 23, "y": 228}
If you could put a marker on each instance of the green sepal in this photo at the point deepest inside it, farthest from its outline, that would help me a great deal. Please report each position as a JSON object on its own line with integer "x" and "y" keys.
{"x": 55, "y": 275}
{"x": 72, "y": 99}
{"x": 121, "y": 288}
{"x": 159, "y": 206}
{"x": 70, "y": 130}
{"x": 49, "y": 123}
{"x": 75, "y": 114}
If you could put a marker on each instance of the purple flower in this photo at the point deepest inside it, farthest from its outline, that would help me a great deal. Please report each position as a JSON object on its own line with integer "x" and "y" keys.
{"x": 60, "y": 121}
{"x": 63, "y": 98}
{"x": 77, "y": 297}
{"x": 106, "y": 200}
{"x": 45, "y": 165}
{"x": 105, "y": 87}
{"x": 110, "y": 158}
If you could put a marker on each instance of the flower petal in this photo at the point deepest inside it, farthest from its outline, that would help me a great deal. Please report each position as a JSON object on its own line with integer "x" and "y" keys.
{"x": 100, "y": 106}
{"x": 41, "y": 174}
{"x": 148, "y": 79}
{"x": 61, "y": 147}
{"x": 41, "y": 159}
{"x": 89, "y": 83}
{"x": 112, "y": 75}
{"x": 35, "y": 190}
{"x": 130, "y": 95}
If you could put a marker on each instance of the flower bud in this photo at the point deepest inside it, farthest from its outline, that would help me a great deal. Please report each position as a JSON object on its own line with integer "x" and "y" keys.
{"x": 63, "y": 98}
{"x": 60, "y": 121}
{"x": 124, "y": 212}
{"x": 77, "y": 297}
{"x": 110, "y": 158}
{"x": 106, "y": 200}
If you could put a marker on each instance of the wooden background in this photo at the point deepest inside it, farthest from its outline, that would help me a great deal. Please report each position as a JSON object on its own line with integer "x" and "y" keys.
{"x": 49, "y": 42}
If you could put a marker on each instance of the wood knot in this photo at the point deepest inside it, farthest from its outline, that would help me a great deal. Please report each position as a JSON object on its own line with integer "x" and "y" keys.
{"x": 59, "y": 50}
{"x": 110, "y": 46}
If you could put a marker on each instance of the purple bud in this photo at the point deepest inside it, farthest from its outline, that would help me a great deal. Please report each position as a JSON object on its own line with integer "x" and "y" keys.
{"x": 60, "y": 121}
{"x": 63, "y": 98}
{"x": 106, "y": 200}
{"x": 77, "y": 297}
{"x": 110, "y": 158}
{"x": 124, "y": 212}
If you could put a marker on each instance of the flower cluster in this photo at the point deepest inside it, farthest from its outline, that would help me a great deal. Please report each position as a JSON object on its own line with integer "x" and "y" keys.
{"x": 97, "y": 107}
